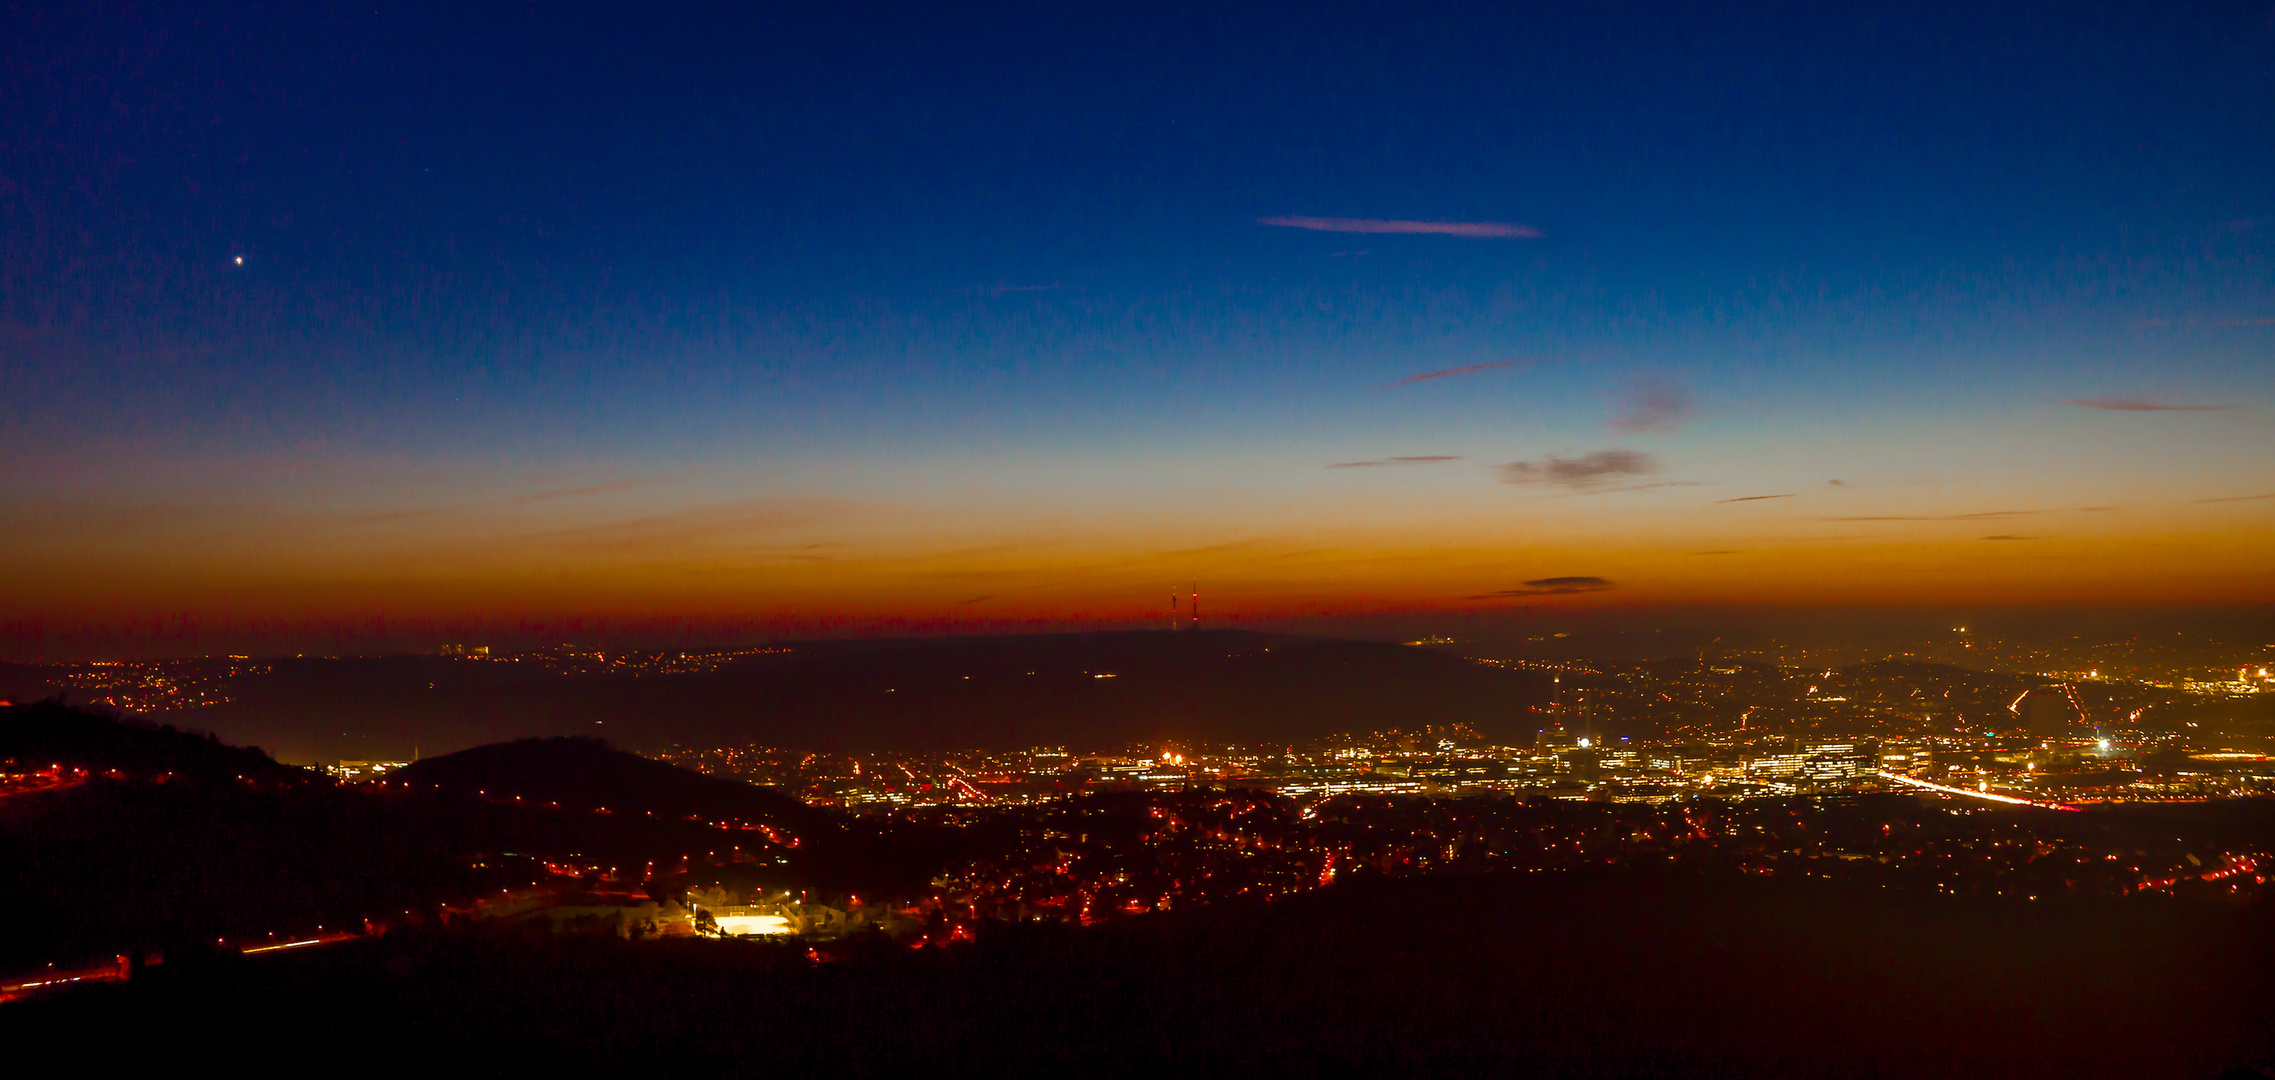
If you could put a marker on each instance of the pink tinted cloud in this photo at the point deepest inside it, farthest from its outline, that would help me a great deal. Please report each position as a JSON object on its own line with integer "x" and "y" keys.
{"x": 1591, "y": 470}
{"x": 1652, "y": 406}
{"x": 1502, "y": 230}
{"x": 1414, "y": 459}
{"x": 1448, "y": 371}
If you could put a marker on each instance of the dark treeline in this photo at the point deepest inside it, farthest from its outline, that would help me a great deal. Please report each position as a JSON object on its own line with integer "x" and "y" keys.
{"x": 48, "y": 733}
{"x": 1610, "y": 973}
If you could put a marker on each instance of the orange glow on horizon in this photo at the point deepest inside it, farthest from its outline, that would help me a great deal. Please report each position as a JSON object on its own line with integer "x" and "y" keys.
{"x": 625, "y": 554}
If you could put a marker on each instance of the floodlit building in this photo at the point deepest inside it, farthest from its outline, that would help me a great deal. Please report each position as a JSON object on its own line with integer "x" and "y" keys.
{"x": 356, "y": 772}
{"x": 1817, "y": 765}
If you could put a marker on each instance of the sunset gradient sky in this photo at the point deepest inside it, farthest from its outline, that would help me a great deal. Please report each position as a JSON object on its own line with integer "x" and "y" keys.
{"x": 367, "y": 329}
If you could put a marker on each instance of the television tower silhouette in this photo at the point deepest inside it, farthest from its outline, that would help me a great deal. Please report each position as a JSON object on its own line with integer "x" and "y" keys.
{"x": 1193, "y": 609}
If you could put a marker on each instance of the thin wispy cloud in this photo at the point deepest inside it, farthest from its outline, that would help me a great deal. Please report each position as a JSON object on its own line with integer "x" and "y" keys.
{"x": 1586, "y": 471}
{"x": 1651, "y": 405}
{"x": 1428, "y": 375}
{"x": 1980, "y": 515}
{"x": 1758, "y": 498}
{"x": 2137, "y": 404}
{"x": 1417, "y": 459}
{"x": 575, "y": 492}
{"x": 1651, "y": 485}
{"x": 735, "y": 521}
{"x": 1493, "y": 230}
{"x": 585, "y": 492}
{"x": 1550, "y": 586}
{"x": 1721, "y": 551}
{"x": 2009, "y": 536}
{"x": 2239, "y": 498}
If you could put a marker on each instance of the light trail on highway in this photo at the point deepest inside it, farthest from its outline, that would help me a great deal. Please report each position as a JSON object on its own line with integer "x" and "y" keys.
{"x": 1973, "y": 794}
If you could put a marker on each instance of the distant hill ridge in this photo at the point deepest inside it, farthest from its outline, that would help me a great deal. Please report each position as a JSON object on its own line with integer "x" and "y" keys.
{"x": 1085, "y": 691}
{"x": 587, "y": 773}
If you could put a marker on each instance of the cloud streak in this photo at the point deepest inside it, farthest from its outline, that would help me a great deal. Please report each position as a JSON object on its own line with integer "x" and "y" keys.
{"x": 1418, "y": 459}
{"x": 1580, "y": 473}
{"x": 1977, "y": 516}
{"x": 1651, "y": 405}
{"x": 2137, "y": 404}
{"x": 1428, "y": 375}
{"x": 1495, "y": 230}
{"x": 585, "y": 492}
{"x": 1758, "y": 498}
{"x": 2238, "y": 498}
{"x": 1549, "y": 586}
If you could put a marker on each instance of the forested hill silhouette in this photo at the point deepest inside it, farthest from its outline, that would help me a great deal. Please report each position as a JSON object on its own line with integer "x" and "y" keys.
{"x": 47, "y": 733}
{"x": 172, "y": 841}
{"x": 1607, "y": 974}
{"x": 584, "y": 773}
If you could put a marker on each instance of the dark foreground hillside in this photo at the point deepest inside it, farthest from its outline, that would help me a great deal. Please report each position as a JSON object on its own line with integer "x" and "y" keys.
{"x": 1631, "y": 975}
{"x": 145, "y": 840}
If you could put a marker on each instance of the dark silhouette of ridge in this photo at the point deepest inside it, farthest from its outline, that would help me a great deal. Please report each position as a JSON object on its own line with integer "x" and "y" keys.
{"x": 172, "y": 841}
{"x": 1581, "y": 975}
{"x": 583, "y": 773}
{"x": 51, "y": 733}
